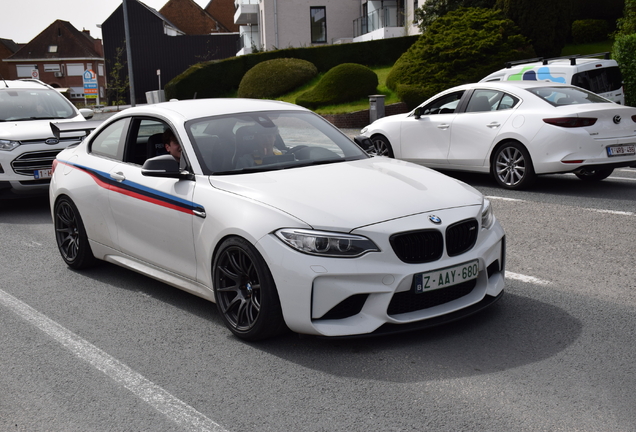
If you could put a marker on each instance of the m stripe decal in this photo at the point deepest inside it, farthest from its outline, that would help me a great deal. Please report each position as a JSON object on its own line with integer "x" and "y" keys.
{"x": 137, "y": 191}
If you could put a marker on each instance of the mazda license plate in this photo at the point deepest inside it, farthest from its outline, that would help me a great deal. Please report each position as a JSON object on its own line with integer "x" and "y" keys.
{"x": 621, "y": 150}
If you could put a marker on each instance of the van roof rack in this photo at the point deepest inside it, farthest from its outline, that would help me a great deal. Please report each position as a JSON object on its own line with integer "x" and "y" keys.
{"x": 572, "y": 58}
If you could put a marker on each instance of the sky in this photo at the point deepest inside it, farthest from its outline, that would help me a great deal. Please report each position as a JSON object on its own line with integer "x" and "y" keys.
{"x": 22, "y": 20}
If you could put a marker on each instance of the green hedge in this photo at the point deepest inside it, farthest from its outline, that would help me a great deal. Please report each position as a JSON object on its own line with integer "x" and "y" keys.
{"x": 344, "y": 83}
{"x": 273, "y": 78}
{"x": 624, "y": 52}
{"x": 222, "y": 78}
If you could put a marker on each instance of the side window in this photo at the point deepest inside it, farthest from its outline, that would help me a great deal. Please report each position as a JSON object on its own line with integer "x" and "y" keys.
{"x": 483, "y": 100}
{"x": 145, "y": 141}
{"x": 110, "y": 141}
{"x": 507, "y": 102}
{"x": 443, "y": 105}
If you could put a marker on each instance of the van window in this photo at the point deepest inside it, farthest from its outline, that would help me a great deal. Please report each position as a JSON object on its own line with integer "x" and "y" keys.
{"x": 601, "y": 80}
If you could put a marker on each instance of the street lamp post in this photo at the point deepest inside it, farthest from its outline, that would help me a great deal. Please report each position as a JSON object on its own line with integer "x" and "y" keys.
{"x": 131, "y": 81}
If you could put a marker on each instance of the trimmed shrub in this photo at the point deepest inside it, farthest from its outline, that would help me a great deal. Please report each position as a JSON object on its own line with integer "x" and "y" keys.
{"x": 624, "y": 52}
{"x": 344, "y": 83}
{"x": 589, "y": 31}
{"x": 461, "y": 47}
{"x": 272, "y": 78}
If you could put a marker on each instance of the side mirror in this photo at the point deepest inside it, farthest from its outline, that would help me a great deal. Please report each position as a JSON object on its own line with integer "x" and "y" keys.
{"x": 364, "y": 142}
{"x": 417, "y": 113}
{"x": 161, "y": 166}
{"x": 87, "y": 113}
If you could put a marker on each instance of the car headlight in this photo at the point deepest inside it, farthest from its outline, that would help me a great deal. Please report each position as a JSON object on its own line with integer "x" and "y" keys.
{"x": 326, "y": 244}
{"x": 487, "y": 216}
{"x": 6, "y": 145}
{"x": 364, "y": 130}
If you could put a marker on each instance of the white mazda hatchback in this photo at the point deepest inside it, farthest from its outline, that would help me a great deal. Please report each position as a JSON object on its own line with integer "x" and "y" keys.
{"x": 272, "y": 213}
{"x": 514, "y": 131}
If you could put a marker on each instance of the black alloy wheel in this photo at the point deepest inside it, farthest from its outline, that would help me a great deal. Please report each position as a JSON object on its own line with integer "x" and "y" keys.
{"x": 245, "y": 292}
{"x": 70, "y": 235}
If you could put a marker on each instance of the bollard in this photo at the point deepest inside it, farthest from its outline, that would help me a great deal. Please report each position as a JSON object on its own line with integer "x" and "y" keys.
{"x": 376, "y": 107}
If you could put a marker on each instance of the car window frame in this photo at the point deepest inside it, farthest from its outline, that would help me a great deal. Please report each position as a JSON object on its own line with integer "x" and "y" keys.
{"x": 122, "y": 139}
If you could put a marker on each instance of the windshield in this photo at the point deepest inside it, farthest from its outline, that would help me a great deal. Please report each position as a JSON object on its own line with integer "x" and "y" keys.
{"x": 559, "y": 96}
{"x": 33, "y": 104}
{"x": 264, "y": 141}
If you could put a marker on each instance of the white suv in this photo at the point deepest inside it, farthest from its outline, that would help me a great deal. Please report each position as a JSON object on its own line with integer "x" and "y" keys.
{"x": 27, "y": 143}
{"x": 598, "y": 75}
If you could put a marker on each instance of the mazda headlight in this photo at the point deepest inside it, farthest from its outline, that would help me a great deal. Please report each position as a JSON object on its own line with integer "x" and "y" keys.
{"x": 328, "y": 244}
{"x": 6, "y": 145}
{"x": 487, "y": 216}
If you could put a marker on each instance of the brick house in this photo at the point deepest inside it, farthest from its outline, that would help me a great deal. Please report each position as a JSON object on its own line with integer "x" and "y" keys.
{"x": 7, "y": 49}
{"x": 59, "y": 56}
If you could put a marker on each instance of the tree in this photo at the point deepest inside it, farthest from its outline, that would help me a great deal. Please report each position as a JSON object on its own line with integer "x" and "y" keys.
{"x": 117, "y": 84}
{"x": 460, "y": 47}
{"x": 545, "y": 22}
{"x": 433, "y": 9}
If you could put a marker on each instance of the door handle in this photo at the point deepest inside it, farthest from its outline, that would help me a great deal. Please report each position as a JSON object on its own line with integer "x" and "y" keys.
{"x": 443, "y": 126}
{"x": 493, "y": 125}
{"x": 119, "y": 176}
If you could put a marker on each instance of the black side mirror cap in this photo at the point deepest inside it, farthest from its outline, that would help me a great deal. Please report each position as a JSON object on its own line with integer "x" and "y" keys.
{"x": 417, "y": 113}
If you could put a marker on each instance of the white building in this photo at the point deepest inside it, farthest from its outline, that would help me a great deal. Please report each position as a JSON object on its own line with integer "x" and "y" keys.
{"x": 278, "y": 24}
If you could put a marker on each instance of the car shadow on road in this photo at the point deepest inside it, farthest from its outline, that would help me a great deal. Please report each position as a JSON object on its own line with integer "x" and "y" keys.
{"x": 32, "y": 210}
{"x": 514, "y": 332}
{"x": 565, "y": 185}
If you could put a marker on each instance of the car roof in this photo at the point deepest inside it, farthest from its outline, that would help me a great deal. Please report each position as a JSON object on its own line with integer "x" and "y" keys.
{"x": 24, "y": 84}
{"x": 197, "y": 108}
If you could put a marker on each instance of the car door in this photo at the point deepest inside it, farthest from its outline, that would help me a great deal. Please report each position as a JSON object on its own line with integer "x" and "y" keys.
{"x": 425, "y": 139}
{"x": 151, "y": 213}
{"x": 474, "y": 130}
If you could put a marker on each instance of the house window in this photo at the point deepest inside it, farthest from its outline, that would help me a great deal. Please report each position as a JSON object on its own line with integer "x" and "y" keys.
{"x": 52, "y": 48}
{"x": 24, "y": 71}
{"x": 100, "y": 69}
{"x": 51, "y": 67}
{"x": 75, "y": 69}
{"x": 318, "y": 17}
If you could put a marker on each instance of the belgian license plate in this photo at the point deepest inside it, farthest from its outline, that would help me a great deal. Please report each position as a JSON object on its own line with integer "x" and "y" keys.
{"x": 445, "y": 277}
{"x": 42, "y": 174}
{"x": 622, "y": 150}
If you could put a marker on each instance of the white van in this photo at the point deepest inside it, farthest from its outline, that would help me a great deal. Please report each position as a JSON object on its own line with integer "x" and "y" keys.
{"x": 599, "y": 75}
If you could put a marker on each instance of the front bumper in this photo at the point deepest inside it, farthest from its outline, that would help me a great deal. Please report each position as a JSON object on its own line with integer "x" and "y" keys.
{"x": 346, "y": 297}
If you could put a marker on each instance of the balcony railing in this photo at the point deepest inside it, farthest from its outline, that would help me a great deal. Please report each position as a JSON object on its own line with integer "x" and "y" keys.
{"x": 380, "y": 18}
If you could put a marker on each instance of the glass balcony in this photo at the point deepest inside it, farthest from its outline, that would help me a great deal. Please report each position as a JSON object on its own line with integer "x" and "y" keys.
{"x": 378, "y": 19}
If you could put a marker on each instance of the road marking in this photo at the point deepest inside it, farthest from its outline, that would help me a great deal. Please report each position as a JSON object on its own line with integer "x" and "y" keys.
{"x": 613, "y": 212}
{"x": 527, "y": 279}
{"x": 168, "y": 405}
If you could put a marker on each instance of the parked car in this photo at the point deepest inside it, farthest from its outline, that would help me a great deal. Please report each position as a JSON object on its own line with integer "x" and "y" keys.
{"x": 312, "y": 234}
{"x": 27, "y": 145}
{"x": 513, "y": 130}
{"x": 598, "y": 75}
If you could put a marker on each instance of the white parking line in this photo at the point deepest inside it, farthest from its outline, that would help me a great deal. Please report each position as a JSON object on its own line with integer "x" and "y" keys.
{"x": 168, "y": 405}
{"x": 525, "y": 278}
{"x": 613, "y": 212}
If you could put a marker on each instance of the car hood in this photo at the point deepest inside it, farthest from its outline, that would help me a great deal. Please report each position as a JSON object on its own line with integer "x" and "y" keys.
{"x": 388, "y": 119}
{"x": 347, "y": 195}
{"x": 30, "y": 129}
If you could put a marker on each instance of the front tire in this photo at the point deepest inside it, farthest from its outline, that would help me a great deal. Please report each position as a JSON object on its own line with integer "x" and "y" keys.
{"x": 70, "y": 235}
{"x": 512, "y": 167}
{"x": 594, "y": 175}
{"x": 381, "y": 147}
{"x": 245, "y": 292}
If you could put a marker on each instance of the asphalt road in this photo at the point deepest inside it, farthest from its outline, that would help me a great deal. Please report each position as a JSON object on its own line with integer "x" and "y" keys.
{"x": 110, "y": 350}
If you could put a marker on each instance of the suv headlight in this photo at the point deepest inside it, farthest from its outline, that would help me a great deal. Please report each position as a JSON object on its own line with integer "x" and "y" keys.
{"x": 328, "y": 244}
{"x": 6, "y": 145}
{"x": 487, "y": 216}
